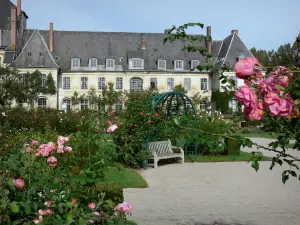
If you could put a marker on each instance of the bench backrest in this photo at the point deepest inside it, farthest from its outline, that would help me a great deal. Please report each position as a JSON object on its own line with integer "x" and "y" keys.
{"x": 160, "y": 147}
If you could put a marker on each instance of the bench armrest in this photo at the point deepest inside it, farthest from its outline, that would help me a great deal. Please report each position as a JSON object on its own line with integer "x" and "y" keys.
{"x": 177, "y": 148}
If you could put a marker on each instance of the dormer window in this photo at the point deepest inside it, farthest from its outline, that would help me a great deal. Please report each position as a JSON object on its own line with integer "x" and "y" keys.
{"x": 178, "y": 65}
{"x": 75, "y": 63}
{"x": 93, "y": 64}
{"x": 194, "y": 64}
{"x": 110, "y": 64}
{"x": 161, "y": 64}
{"x": 136, "y": 64}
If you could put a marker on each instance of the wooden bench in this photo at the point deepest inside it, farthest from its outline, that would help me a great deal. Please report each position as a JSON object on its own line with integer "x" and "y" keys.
{"x": 164, "y": 150}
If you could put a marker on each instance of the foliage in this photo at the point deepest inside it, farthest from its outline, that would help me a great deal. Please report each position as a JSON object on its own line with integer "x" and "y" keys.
{"x": 23, "y": 88}
{"x": 180, "y": 88}
{"x": 221, "y": 99}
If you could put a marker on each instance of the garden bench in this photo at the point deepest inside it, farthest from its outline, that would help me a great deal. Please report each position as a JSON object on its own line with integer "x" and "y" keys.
{"x": 164, "y": 150}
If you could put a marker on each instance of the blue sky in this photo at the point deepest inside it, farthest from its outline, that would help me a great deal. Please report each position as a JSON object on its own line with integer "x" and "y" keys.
{"x": 264, "y": 24}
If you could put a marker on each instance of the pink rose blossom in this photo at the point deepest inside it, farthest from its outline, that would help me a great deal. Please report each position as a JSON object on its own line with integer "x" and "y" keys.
{"x": 74, "y": 200}
{"x": 49, "y": 211}
{"x": 157, "y": 115}
{"x": 92, "y": 205}
{"x": 282, "y": 76}
{"x": 44, "y": 150}
{"x": 29, "y": 149}
{"x": 256, "y": 112}
{"x": 60, "y": 149}
{"x": 246, "y": 67}
{"x": 279, "y": 105}
{"x": 96, "y": 213}
{"x": 121, "y": 124}
{"x": 91, "y": 221}
{"x": 34, "y": 142}
{"x": 268, "y": 85}
{"x": 68, "y": 148}
{"x": 48, "y": 203}
{"x": 141, "y": 113}
{"x": 19, "y": 183}
{"x": 246, "y": 96}
{"x": 109, "y": 123}
{"x": 124, "y": 207}
{"x": 67, "y": 139}
{"x": 52, "y": 161}
{"x": 6, "y": 145}
{"x": 42, "y": 212}
{"x": 112, "y": 128}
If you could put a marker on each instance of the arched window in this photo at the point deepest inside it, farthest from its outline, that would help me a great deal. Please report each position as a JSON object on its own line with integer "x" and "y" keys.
{"x": 66, "y": 105}
{"x": 84, "y": 104}
{"x": 42, "y": 102}
{"x": 136, "y": 84}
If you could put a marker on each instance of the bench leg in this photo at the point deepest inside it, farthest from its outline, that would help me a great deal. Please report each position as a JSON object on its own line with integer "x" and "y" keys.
{"x": 182, "y": 159}
{"x": 155, "y": 162}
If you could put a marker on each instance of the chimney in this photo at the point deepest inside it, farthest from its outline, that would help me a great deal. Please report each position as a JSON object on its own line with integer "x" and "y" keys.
{"x": 144, "y": 45}
{"x": 209, "y": 43}
{"x": 19, "y": 8}
{"x": 13, "y": 28}
{"x": 51, "y": 38}
{"x": 235, "y": 32}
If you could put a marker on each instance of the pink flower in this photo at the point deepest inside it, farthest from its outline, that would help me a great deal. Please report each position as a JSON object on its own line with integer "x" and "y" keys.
{"x": 157, "y": 115}
{"x": 48, "y": 203}
{"x": 121, "y": 100}
{"x": 19, "y": 183}
{"x": 130, "y": 125}
{"x": 96, "y": 213}
{"x": 60, "y": 149}
{"x": 42, "y": 212}
{"x": 60, "y": 140}
{"x": 279, "y": 105}
{"x": 91, "y": 221}
{"x": 121, "y": 124}
{"x": 141, "y": 113}
{"x": 246, "y": 96}
{"x": 282, "y": 76}
{"x": 256, "y": 112}
{"x": 74, "y": 200}
{"x": 44, "y": 150}
{"x": 52, "y": 161}
{"x": 68, "y": 148}
{"x": 6, "y": 145}
{"x": 246, "y": 67}
{"x": 112, "y": 128}
{"x": 109, "y": 123}
{"x": 124, "y": 207}
{"x": 92, "y": 205}
{"x": 49, "y": 211}
{"x": 34, "y": 142}
{"x": 29, "y": 149}
{"x": 268, "y": 85}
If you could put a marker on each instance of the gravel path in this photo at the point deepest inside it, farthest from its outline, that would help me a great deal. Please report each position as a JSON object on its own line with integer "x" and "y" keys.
{"x": 215, "y": 193}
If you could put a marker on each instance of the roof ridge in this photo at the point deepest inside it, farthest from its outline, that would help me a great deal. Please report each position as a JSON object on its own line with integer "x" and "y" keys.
{"x": 228, "y": 47}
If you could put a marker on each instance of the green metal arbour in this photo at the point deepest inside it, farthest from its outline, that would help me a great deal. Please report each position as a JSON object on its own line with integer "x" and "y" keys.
{"x": 174, "y": 104}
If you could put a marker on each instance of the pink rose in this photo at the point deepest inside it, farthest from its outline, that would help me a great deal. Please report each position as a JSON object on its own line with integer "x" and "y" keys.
{"x": 256, "y": 112}
{"x": 124, "y": 207}
{"x": 282, "y": 76}
{"x": 112, "y": 128}
{"x": 96, "y": 213}
{"x": 74, "y": 200}
{"x": 52, "y": 161}
{"x": 42, "y": 212}
{"x": 121, "y": 124}
{"x": 60, "y": 149}
{"x": 109, "y": 123}
{"x": 34, "y": 142}
{"x": 19, "y": 183}
{"x": 48, "y": 203}
{"x": 268, "y": 85}
{"x": 49, "y": 211}
{"x": 29, "y": 150}
{"x": 6, "y": 145}
{"x": 141, "y": 113}
{"x": 92, "y": 205}
{"x": 245, "y": 96}
{"x": 246, "y": 67}
{"x": 44, "y": 150}
{"x": 279, "y": 105}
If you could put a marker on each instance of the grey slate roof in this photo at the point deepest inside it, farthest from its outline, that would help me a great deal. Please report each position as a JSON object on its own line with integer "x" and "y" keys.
{"x": 120, "y": 46}
{"x": 40, "y": 55}
{"x": 232, "y": 48}
{"x": 5, "y": 38}
{"x": 5, "y": 8}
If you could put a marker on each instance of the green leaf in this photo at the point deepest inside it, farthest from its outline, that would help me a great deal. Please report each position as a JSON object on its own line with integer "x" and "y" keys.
{"x": 180, "y": 142}
{"x": 14, "y": 207}
{"x": 3, "y": 204}
{"x": 297, "y": 92}
{"x": 70, "y": 218}
{"x": 176, "y": 121}
{"x": 284, "y": 178}
{"x": 255, "y": 165}
{"x": 293, "y": 173}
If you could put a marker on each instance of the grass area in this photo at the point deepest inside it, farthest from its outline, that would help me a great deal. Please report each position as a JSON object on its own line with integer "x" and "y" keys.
{"x": 244, "y": 156}
{"x": 126, "y": 177}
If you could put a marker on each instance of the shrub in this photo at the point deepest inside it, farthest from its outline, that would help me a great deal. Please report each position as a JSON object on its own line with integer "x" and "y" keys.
{"x": 113, "y": 191}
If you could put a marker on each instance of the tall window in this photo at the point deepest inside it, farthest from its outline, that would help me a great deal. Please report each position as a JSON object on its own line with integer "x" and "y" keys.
{"x": 153, "y": 82}
{"x": 119, "y": 106}
{"x": 194, "y": 64}
{"x": 161, "y": 64}
{"x": 110, "y": 64}
{"x": 93, "y": 63}
{"x": 84, "y": 104}
{"x": 66, "y": 104}
{"x": 84, "y": 83}
{"x": 119, "y": 83}
{"x": 170, "y": 84}
{"x": 44, "y": 80}
{"x": 101, "y": 83}
{"x": 136, "y": 64}
{"x": 187, "y": 84}
{"x": 42, "y": 102}
{"x": 66, "y": 83}
{"x": 136, "y": 84}
{"x": 75, "y": 63}
{"x": 203, "y": 84}
{"x": 178, "y": 65}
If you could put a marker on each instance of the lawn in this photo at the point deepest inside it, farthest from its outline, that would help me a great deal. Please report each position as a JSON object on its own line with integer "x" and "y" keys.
{"x": 126, "y": 177}
{"x": 244, "y": 156}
